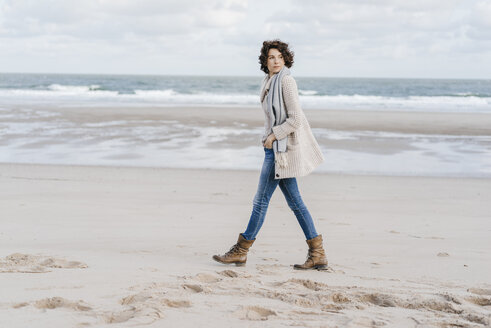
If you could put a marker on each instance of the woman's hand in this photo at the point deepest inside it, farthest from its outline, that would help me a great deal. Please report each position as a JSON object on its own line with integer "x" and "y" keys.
{"x": 268, "y": 143}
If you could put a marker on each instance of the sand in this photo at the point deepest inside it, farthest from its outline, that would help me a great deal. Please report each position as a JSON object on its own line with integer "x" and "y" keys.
{"x": 88, "y": 246}
{"x": 94, "y": 246}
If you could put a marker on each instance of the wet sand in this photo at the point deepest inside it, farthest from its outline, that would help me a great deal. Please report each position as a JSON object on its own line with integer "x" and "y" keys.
{"x": 346, "y": 120}
{"x": 354, "y": 142}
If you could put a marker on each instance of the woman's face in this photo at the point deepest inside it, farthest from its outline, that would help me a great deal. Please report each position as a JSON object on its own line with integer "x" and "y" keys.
{"x": 275, "y": 61}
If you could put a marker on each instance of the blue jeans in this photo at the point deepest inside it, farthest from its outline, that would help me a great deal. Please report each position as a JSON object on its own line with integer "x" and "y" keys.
{"x": 289, "y": 187}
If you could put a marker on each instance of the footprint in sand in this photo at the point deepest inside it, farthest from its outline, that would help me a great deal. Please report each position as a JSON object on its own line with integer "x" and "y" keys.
{"x": 62, "y": 264}
{"x": 229, "y": 273}
{"x": 141, "y": 308}
{"x": 26, "y": 263}
{"x": 292, "y": 284}
{"x": 193, "y": 287}
{"x": 331, "y": 308}
{"x": 269, "y": 269}
{"x": 379, "y": 299}
{"x": 136, "y": 298}
{"x": 176, "y": 303}
{"x": 207, "y": 278}
{"x": 253, "y": 313}
{"x": 481, "y": 301}
{"x": 479, "y": 291}
{"x": 144, "y": 308}
{"x": 443, "y": 302}
{"x": 310, "y": 284}
{"x": 438, "y": 305}
{"x": 119, "y": 316}
{"x": 56, "y": 302}
{"x": 339, "y": 298}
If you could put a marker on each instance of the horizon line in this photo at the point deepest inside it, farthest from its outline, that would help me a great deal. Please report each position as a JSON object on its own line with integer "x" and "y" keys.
{"x": 259, "y": 75}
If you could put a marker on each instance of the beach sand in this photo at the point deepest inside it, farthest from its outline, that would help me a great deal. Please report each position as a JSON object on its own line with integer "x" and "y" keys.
{"x": 94, "y": 246}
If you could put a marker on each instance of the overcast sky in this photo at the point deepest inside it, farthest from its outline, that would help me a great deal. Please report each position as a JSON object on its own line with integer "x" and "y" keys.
{"x": 342, "y": 38}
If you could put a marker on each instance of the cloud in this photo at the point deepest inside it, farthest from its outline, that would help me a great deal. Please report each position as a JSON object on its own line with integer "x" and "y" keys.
{"x": 117, "y": 18}
{"x": 329, "y": 37}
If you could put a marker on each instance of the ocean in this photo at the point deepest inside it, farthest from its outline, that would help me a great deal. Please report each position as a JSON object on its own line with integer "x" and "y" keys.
{"x": 36, "y": 125}
{"x": 438, "y": 95}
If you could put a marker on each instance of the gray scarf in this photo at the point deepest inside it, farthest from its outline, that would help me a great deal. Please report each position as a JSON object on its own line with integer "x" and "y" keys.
{"x": 277, "y": 110}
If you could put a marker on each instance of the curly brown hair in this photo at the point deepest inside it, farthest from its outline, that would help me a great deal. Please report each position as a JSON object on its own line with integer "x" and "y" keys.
{"x": 275, "y": 44}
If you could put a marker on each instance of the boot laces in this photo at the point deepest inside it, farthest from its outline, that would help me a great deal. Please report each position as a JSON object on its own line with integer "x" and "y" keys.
{"x": 233, "y": 249}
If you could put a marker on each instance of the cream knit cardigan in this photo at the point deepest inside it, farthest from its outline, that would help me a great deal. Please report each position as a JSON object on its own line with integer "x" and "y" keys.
{"x": 303, "y": 151}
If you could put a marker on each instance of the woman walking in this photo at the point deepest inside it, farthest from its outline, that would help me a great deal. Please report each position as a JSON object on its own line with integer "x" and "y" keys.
{"x": 290, "y": 151}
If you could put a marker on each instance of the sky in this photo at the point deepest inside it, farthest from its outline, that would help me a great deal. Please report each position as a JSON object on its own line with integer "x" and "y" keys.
{"x": 330, "y": 38}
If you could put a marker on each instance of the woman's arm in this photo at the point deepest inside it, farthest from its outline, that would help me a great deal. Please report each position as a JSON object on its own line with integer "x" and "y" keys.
{"x": 293, "y": 109}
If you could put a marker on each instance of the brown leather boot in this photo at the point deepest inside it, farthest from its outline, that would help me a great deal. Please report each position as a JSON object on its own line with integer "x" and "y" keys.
{"x": 237, "y": 254}
{"x": 316, "y": 258}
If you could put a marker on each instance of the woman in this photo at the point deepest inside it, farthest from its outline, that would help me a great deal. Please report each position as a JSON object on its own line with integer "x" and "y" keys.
{"x": 290, "y": 151}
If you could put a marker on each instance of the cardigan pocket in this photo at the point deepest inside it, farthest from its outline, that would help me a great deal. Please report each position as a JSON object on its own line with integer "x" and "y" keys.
{"x": 292, "y": 141}
{"x": 293, "y": 136}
